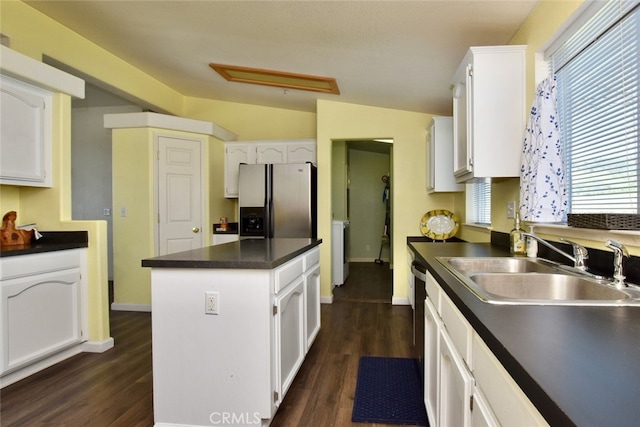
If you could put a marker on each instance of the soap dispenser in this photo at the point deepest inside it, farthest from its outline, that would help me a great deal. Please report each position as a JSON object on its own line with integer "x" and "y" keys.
{"x": 518, "y": 245}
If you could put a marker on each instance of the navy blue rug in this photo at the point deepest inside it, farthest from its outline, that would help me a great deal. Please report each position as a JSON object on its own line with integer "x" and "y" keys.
{"x": 389, "y": 391}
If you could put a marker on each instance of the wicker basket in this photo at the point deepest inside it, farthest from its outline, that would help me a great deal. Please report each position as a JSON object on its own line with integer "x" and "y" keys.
{"x": 605, "y": 221}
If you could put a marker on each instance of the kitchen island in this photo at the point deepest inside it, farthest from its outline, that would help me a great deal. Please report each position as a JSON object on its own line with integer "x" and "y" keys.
{"x": 576, "y": 365}
{"x": 231, "y": 325}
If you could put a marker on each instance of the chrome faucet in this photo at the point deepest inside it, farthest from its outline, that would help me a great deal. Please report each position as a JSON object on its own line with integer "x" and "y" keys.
{"x": 619, "y": 251}
{"x": 580, "y": 254}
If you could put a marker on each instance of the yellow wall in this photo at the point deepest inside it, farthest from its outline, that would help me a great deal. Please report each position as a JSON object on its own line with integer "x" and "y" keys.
{"x": 133, "y": 235}
{"x": 339, "y": 121}
{"x": 253, "y": 122}
{"x": 34, "y": 34}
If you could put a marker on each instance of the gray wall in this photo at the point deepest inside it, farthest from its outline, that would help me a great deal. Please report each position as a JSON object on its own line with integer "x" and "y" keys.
{"x": 91, "y": 166}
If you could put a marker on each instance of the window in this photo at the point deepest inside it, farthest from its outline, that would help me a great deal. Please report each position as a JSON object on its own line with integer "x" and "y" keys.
{"x": 479, "y": 198}
{"x": 597, "y": 79}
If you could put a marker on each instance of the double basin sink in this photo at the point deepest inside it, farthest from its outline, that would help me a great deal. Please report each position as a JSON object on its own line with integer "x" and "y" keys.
{"x": 536, "y": 281}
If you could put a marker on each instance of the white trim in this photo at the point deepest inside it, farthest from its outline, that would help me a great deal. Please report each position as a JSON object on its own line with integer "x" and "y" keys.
{"x": 28, "y": 370}
{"x": 583, "y": 13}
{"x": 164, "y": 121}
{"x": 97, "y": 346}
{"x": 130, "y": 307}
{"x": 367, "y": 260}
{"x": 326, "y": 300}
{"x": 37, "y": 73}
{"x": 400, "y": 301}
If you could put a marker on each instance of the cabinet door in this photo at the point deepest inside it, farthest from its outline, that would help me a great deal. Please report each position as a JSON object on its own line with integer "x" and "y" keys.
{"x": 39, "y": 315}
{"x": 301, "y": 153}
{"x": 25, "y": 134}
{"x": 455, "y": 386}
{"x": 312, "y": 300}
{"x": 462, "y": 126}
{"x": 481, "y": 414}
{"x": 289, "y": 335}
{"x": 276, "y": 153}
{"x": 432, "y": 326}
{"x": 234, "y": 155}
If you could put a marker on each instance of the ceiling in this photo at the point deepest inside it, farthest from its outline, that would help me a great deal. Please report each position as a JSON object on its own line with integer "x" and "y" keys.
{"x": 391, "y": 54}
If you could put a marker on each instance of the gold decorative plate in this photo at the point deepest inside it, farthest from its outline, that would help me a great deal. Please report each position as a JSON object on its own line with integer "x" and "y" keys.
{"x": 439, "y": 224}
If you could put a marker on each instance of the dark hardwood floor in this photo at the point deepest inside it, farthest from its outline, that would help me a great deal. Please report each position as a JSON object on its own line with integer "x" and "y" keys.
{"x": 115, "y": 388}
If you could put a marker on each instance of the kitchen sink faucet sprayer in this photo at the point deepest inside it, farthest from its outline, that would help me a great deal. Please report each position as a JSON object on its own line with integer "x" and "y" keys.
{"x": 619, "y": 252}
{"x": 580, "y": 254}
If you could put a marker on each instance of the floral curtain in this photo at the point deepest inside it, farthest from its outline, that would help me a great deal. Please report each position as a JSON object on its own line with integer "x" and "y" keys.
{"x": 543, "y": 196}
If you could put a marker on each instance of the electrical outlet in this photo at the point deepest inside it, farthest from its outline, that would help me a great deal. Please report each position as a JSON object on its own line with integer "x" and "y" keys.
{"x": 511, "y": 209}
{"x": 211, "y": 302}
{"x": 106, "y": 212}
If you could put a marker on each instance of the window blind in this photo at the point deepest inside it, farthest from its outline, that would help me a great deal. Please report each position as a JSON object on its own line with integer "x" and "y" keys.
{"x": 482, "y": 202}
{"x": 597, "y": 80}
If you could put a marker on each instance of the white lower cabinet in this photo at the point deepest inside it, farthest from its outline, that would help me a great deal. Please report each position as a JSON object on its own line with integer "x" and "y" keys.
{"x": 506, "y": 399}
{"x": 456, "y": 385}
{"x": 432, "y": 326}
{"x": 290, "y": 335}
{"x": 481, "y": 413}
{"x": 41, "y": 309}
{"x": 466, "y": 385}
{"x": 312, "y": 300}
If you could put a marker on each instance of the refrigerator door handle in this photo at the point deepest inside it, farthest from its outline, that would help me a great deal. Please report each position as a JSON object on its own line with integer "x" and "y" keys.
{"x": 269, "y": 222}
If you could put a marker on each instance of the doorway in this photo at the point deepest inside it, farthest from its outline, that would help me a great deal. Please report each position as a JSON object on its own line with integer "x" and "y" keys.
{"x": 361, "y": 193}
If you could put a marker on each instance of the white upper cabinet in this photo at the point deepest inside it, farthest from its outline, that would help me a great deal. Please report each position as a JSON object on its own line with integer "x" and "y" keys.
{"x": 440, "y": 177}
{"x": 25, "y": 134}
{"x": 489, "y": 112}
{"x": 234, "y": 154}
{"x": 271, "y": 153}
{"x": 27, "y": 88}
{"x": 302, "y": 152}
{"x": 263, "y": 152}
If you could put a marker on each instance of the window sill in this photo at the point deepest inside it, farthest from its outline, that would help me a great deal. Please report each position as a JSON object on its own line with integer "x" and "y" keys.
{"x": 478, "y": 227}
{"x": 626, "y": 237}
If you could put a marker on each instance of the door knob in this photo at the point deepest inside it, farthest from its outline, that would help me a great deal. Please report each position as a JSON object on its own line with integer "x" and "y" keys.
{"x": 195, "y": 229}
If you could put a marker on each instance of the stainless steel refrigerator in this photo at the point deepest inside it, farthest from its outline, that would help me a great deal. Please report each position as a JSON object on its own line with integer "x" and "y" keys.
{"x": 277, "y": 200}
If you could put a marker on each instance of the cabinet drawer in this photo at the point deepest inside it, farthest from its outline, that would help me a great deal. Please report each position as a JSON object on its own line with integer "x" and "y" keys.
{"x": 288, "y": 273}
{"x": 433, "y": 291}
{"x": 508, "y": 402}
{"x": 26, "y": 265}
{"x": 311, "y": 258}
{"x": 458, "y": 328}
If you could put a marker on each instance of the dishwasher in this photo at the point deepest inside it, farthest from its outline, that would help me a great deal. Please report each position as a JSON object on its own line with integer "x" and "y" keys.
{"x": 419, "y": 276}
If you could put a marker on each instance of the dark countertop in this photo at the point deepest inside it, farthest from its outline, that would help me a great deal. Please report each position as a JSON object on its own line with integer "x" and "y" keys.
{"x": 243, "y": 254}
{"x": 50, "y": 241}
{"x": 578, "y": 365}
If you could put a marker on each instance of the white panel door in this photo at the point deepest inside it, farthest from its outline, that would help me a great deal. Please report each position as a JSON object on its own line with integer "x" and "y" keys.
{"x": 180, "y": 226}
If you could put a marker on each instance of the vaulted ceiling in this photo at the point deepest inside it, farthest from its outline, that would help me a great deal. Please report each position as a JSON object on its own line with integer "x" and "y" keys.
{"x": 391, "y": 54}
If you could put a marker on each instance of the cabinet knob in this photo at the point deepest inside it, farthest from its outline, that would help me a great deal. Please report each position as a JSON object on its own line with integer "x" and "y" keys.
{"x": 195, "y": 229}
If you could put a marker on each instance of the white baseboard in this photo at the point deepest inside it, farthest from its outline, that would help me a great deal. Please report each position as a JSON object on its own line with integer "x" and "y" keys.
{"x": 326, "y": 300}
{"x": 24, "y": 372}
{"x": 400, "y": 301}
{"x": 131, "y": 307}
{"x": 371, "y": 260}
{"x": 97, "y": 346}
